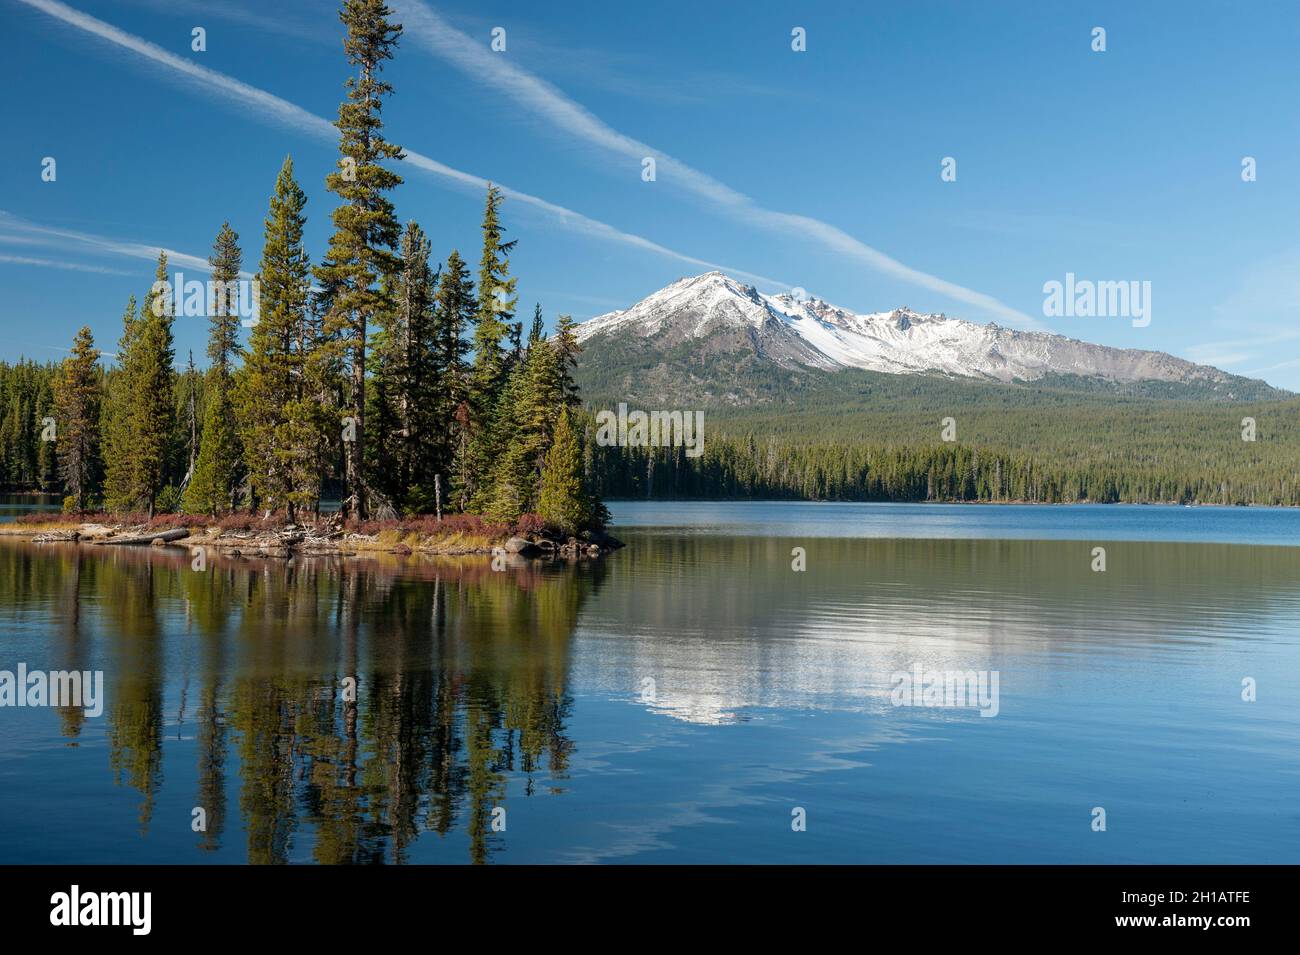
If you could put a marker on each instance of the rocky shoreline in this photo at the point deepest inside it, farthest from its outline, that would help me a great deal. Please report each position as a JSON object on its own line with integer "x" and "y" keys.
{"x": 329, "y": 538}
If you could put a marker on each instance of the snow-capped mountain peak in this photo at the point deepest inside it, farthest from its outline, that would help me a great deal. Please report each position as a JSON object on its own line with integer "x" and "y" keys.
{"x": 721, "y": 313}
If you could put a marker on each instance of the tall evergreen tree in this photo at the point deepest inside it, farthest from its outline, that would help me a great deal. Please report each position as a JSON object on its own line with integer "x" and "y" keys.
{"x": 139, "y": 411}
{"x": 406, "y": 380}
{"x": 563, "y": 501}
{"x": 152, "y": 397}
{"x": 283, "y": 425}
{"x": 567, "y": 348}
{"x": 496, "y": 305}
{"x": 226, "y": 260}
{"x": 119, "y": 480}
{"x": 535, "y": 332}
{"x": 77, "y": 406}
{"x": 191, "y": 418}
{"x": 454, "y": 314}
{"x": 211, "y": 488}
{"x": 422, "y": 400}
{"x": 365, "y": 226}
{"x": 533, "y": 400}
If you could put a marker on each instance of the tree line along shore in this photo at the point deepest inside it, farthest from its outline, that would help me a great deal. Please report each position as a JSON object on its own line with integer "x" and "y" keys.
{"x": 402, "y": 388}
{"x": 409, "y": 390}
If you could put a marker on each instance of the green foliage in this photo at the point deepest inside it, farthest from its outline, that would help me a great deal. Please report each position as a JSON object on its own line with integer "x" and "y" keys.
{"x": 76, "y": 413}
{"x": 563, "y": 501}
{"x": 566, "y": 352}
{"x": 772, "y": 432}
{"x": 119, "y": 481}
{"x": 489, "y": 420}
{"x": 384, "y": 340}
{"x": 496, "y": 303}
{"x": 171, "y": 499}
{"x": 525, "y": 428}
{"x": 405, "y": 449}
{"x": 152, "y": 408}
{"x": 366, "y": 229}
{"x": 140, "y": 408}
{"x": 1056, "y": 448}
{"x": 26, "y": 397}
{"x": 455, "y": 313}
{"x": 211, "y": 490}
{"x": 281, "y": 393}
{"x": 226, "y": 261}
{"x": 216, "y": 472}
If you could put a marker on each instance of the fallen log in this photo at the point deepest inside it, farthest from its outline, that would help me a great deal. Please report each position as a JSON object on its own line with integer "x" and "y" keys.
{"x": 55, "y": 537}
{"x": 162, "y": 536}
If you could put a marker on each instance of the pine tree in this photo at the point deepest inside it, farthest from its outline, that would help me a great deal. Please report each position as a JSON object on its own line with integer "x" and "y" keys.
{"x": 226, "y": 260}
{"x": 151, "y": 406}
{"x": 77, "y": 408}
{"x": 384, "y": 438}
{"x": 277, "y": 397}
{"x": 496, "y": 304}
{"x": 119, "y": 483}
{"x": 366, "y": 228}
{"x": 563, "y": 501}
{"x": 211, "y": 488}
{"x": 567, "y": 348}
{"x": 454, "y": 314}
{"x": 138, "y": 413}
{"x": 423, "y": 383}
{"x": 535, "y": 332}
{"x": 534, "y": 403}
{"x": 191, "y": 418}
{"x": 405, "y": 381}
{"x": 504, "y": 488}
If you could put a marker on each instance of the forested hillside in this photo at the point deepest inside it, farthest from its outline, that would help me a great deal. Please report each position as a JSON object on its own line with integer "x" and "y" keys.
{"x": 867, "y": 436}
{"x": 26, "y": 397}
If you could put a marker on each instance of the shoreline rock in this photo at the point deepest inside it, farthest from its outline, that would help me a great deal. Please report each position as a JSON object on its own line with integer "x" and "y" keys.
{"x": 326, "y": 540}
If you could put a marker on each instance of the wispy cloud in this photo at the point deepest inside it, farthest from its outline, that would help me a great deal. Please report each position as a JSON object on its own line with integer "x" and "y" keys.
{"x": 25, "y": 344}
{"x": 24, "y": 232}
{"x": 624, "y": 72}
{"x": 1260, "y": 318}
{"x": 275, "y": 109}
{"x": 542, "y": 99}
{"x": 54, "y": 264}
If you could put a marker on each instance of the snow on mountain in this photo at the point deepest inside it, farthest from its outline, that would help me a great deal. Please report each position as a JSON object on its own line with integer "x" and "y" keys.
{"x": 814, "y": 333}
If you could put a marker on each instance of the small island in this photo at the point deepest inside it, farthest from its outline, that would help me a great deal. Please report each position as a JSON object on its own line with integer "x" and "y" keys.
{"x": 400, "y": 388}
{"x": 274, "y": 536}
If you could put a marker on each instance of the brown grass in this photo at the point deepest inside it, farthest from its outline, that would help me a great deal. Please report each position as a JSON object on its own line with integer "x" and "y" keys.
{"x": 454, "y": 533}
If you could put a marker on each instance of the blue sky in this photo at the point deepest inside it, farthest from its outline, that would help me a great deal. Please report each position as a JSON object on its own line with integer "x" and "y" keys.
{"x": 818, "y": 169}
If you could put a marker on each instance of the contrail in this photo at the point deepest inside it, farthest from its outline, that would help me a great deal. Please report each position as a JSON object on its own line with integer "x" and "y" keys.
{"x": 31, "y": 233}
{"x": 281, "y": 111}
{"x": 541, "y": 98}
{"x": 53, "y": 264}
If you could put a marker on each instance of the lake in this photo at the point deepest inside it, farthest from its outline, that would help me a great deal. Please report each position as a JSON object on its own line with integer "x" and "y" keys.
{"x": 690, "y": 698}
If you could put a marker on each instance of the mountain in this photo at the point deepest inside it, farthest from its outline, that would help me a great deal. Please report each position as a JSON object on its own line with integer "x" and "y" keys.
{"x": 711, "y": 337}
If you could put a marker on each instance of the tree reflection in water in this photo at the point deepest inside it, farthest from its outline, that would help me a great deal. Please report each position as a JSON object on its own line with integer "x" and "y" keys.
{"x": 461, "y": 684}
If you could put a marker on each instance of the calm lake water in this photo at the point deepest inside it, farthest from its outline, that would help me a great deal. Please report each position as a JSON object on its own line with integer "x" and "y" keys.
{"x": 678, "y": 701}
